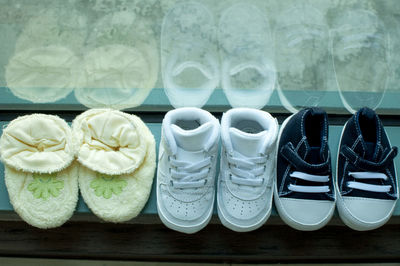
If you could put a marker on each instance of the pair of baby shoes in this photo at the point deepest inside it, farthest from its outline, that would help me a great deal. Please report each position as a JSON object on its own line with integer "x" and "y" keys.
{"x": 187, "y": 165}
{"x": 114, "y": 169}
{"x": 366, "y": 188}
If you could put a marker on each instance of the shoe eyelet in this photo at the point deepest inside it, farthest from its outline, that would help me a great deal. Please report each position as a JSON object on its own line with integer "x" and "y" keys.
{"x": 171, "y": 183}
{"x": 205, "y": 181}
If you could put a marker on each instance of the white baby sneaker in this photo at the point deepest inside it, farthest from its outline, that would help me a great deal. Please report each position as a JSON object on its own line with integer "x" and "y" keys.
{"x": 186, "y": 169}
{"x": 247, "y": 168}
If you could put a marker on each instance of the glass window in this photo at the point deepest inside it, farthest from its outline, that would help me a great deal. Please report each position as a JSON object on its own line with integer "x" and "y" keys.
{"x": 278, "y": 55}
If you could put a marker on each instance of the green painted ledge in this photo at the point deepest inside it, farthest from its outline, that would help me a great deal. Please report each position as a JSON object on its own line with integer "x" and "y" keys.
{"x": 157, "y": 101}
{"x": 151, "y": 207}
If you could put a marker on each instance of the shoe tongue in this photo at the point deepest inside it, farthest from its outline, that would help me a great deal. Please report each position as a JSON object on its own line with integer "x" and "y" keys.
{"x": 314, "y": 155}
{"x": 246, "y": 143}
{"x": 370, "y": 150}
{"x": 194, "y": 139}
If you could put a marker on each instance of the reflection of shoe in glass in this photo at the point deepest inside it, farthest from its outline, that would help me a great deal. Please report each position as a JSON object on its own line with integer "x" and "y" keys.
{"x": 44, "y": 74}
{"x": 360, "y": 58}
{"x": 304, "y": 193}
{"x": 116, "y": 76}
{"x": 246, "y": 51}
{"x": 45, "y": 66}
{"x": 189, "y": 58}
{"x": 366, "y": 176}
{"x": 121, "y": 68}
{"x": 186, "y": 169}
{"x": 247, "y": 168}
{"x": 302, "y": 57}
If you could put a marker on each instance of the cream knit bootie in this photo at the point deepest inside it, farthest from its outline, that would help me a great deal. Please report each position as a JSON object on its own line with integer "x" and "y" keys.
{"x": 117, "y": 163}
{"x": 40, "y": 175}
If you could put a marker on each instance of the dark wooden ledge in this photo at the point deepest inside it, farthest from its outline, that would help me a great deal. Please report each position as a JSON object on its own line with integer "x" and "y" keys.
{"x": 271, "y": 243}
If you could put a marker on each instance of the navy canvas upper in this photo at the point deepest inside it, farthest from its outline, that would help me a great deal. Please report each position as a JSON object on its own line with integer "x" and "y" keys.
{"x": 365, "y": 147}
{"x": 303, "y": 146}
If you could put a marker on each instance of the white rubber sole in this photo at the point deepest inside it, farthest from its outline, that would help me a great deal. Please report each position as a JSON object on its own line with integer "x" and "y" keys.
{"x": 345, "y": 214}
{"x": 278, "y": 204}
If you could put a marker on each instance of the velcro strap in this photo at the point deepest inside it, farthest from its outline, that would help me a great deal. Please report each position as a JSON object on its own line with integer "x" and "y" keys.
{"x": 289, "y": 153}
{"x": 367, "y": 165}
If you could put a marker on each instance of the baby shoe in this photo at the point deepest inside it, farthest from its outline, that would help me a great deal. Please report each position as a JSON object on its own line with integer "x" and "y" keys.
{"x": 116, "y": 152}
{"x": 366, "y": 177}
{"x": 40, "y": 175}
{"x": 189, "y": 57}
{"x": 247, "y": 56}
{"x": 186, "y": 169}
{"x": 247, "y": 168}
{"x": 304, "y": 192}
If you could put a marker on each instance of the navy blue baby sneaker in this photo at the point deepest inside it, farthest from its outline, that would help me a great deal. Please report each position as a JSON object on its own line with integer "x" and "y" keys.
{"x": 366, "y": 177}
{"x": 304, "y": 192}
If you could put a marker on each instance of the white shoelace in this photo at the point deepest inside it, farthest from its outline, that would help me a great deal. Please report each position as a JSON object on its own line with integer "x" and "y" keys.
{"x": 311, "y": 178}
{"x": 368, "y": 187}
{"x": 247, "y": 171}
{"x": 189, "y": 175}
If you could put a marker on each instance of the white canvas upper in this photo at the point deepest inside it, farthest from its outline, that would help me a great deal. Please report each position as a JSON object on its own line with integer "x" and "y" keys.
{"x": 247, "y": 168}
{"x": 186, "y": 169}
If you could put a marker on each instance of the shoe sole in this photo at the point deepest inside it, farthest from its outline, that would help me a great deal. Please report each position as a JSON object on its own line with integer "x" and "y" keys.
{"x": 344, "y": 213}
{"x": 282, "y": 212}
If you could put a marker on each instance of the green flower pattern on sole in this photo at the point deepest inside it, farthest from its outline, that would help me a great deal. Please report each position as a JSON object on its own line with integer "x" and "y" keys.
{"x": 45, "y": 185}
{"x": 106, "y": 185}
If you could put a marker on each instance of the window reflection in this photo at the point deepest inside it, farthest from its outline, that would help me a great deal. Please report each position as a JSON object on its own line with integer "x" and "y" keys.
{"x": 247, "y": 56}
{"x": 302, "y": 57}
{"x": 44, "y": 67}
{"x": 190, "y": 63}
{"x": 359, "y": 48}
{"x": 276, "y": 55}
{"x": 120, "y": 63}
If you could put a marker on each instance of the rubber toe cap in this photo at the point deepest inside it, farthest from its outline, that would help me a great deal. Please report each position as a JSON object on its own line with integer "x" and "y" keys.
{"x": 366, "y": 213}
{"x": 306, "y": 214}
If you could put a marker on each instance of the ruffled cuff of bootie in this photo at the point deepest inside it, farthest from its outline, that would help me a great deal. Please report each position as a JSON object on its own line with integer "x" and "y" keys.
{"x": 37, "y": 143}
{"x": 109, "y": 141}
